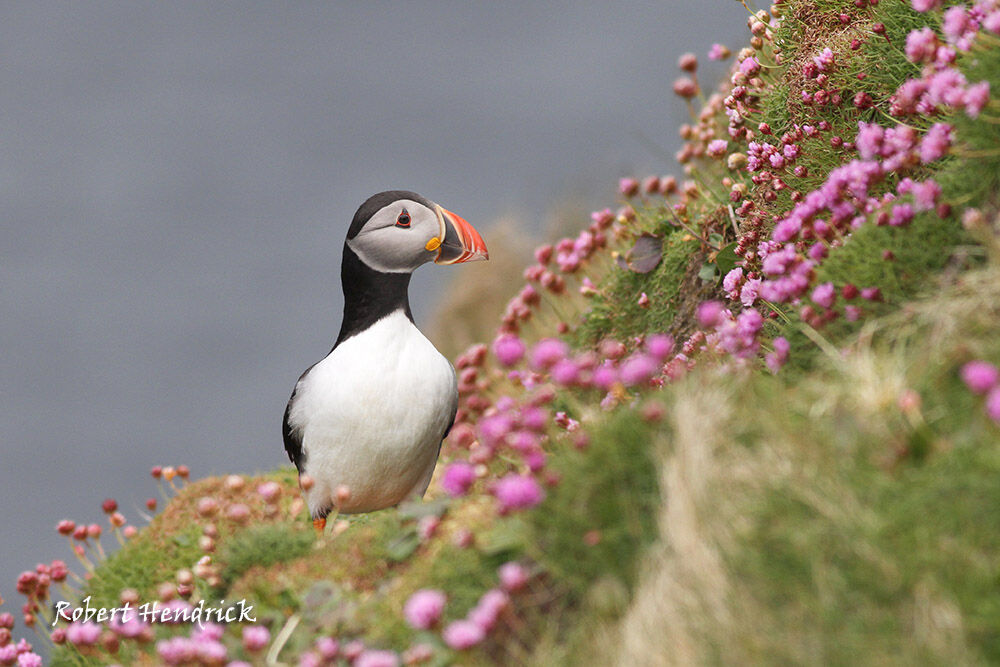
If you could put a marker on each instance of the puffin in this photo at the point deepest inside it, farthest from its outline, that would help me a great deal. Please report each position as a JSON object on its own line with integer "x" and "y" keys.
{"x": 365, "y": 424}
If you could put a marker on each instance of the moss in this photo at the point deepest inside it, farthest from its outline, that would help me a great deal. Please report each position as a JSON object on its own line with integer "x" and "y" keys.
{"x": 263, "y": 546}
{"x": 616, "y": 312}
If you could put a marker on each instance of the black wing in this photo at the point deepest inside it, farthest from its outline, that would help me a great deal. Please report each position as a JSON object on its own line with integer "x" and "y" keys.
{"x": 454, "y": 413}
{"x": 293, "y": 439}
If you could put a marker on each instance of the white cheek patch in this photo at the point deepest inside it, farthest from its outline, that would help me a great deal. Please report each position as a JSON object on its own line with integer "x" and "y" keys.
{"x": 381, "y": 256}
{"x": 392, "y": 249}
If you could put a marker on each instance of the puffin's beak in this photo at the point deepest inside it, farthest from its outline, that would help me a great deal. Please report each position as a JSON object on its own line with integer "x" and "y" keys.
{"x": 460, "y": 242}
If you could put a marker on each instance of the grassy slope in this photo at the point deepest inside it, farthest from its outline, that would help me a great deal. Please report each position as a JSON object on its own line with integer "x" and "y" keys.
{"x": 806, "y": 517}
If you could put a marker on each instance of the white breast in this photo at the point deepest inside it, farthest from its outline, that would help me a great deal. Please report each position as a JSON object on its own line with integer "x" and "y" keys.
{"x": 371, "y": 416}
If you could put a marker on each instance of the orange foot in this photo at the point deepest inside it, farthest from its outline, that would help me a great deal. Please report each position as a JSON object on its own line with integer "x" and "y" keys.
{"x": 319, "y": 525}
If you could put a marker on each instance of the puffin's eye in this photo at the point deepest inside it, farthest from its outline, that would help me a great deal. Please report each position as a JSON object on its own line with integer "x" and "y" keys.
{"x": 403, "y": 220}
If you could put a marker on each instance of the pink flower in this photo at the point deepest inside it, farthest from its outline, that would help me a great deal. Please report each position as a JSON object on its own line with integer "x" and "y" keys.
{"x": 458, "y": 478}
{"x": 871, "y": 293}
{"x": 921, "y": 45}
{"x": 685, "y": 87}
{"x": 824, "y": 61}
{"x": 513, "y": 576}
{"x": 605, "y": 375}
{"x": 824, "y": 295}
{"x": 935, "y": 143}
{"x": 534, "y": 418}
{"x": 628, "y": 187}
{"x": 993, "y": 404}
{"x": 749, "y": 292}
{"x": 508, "y": 348}
{"x": 131, "y": 628}
{"x": 543, "y": 254}
{"x": 659, "y": 346}
{"x": 547, "y": 352}
{"x": 207, "y": 506}
{"x": 718, "y": 52}
{"x": 955, "y": 23}
{"x": 517, "y": 492}
{"x": 328, "y": 647}
{"x": 269, "y": 491}
{"x": 902, "y": 215}
{"x": 688, "y": 62}
{"x": 310, "y": 659}
{"x": 980, "y": 376}
{"x": 177, "y": 650}
{"x": 565, "y": 421}
{"x": 925, "y": 195}
{"x": 210, "y": 632}
{"x": 565, "y": 373}
{"x": 926, "y": 5}
{"x": 488, "y": 609}
{"x": 711, "y": 314}
{"x": 255, "y": 637}
{"x": 493, "y": 430}
{"x": 353, "y": 649}
{"x": 29, "y": 660}
{"x": 869, "y": 139}
{"x": 83, "y": 634}
{"x": 211, "y": 652}
{"x": 423, "y": 610}
{"x": 992, "y": 21}
{"x": 611, "y": 349}
{"x": 716, "y": 148}
{"x": 461, "y": 635}
{"x": 427, "y": 526}
{"x": 373, "y": 658}
{"x": 975, "y": 98}
{"x": 733, "y": 279}
{"x": 749, "y": 66}
{"x": 775, "y": 360}
{"x": 638, "y": 369}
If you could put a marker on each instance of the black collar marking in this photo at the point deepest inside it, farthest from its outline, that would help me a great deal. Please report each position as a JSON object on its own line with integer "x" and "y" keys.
{"x": 369, "y": 295}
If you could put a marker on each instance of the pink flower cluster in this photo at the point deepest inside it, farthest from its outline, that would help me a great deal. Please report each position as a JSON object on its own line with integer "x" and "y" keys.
{"x": 423, "y": 609}
{"x": 983, "y": 378}
{"x": 21, "y": 654}
{"x": 735, "y": 336}
{"x": 202, "y": 646}
{"x": 520, "y": 428}
{"x": 465, "y": 633}
{"x": 941, "y": 85}
{"x": 785, "y": 265}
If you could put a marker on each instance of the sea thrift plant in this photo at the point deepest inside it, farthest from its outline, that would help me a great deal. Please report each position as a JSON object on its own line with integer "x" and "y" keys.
{"x": 760, "y": 208}
{"x": 423, "y": 609}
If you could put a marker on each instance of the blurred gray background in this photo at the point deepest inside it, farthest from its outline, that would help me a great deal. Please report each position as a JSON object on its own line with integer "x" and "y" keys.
{"x": 177, "y": 179}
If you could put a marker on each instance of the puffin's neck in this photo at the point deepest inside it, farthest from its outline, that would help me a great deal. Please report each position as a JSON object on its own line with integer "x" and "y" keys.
{"x": 369, "y": 295}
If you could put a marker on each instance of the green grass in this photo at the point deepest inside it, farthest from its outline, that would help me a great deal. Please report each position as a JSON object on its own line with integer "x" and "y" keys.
{"x": 616, "y": 312}
{"x": 610, "y": 491}
{"x": 262, "y": 546}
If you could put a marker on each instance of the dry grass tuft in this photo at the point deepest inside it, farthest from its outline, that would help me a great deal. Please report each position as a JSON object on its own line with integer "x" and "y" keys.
{"x": 686, "y": 578}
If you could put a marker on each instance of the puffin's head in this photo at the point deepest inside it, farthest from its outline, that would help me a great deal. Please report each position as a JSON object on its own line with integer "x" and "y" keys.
{"x": 397, "y": 231}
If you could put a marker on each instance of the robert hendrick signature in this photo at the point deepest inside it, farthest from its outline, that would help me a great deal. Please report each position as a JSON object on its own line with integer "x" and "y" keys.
{"x": 154, "y": 612}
